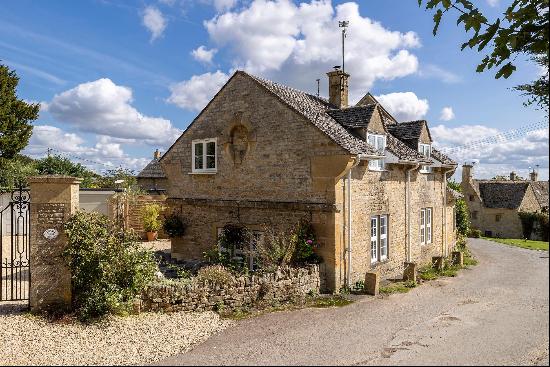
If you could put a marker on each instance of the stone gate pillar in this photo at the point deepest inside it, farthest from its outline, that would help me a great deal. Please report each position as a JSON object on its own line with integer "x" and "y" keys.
{"x": 53, "y": 200}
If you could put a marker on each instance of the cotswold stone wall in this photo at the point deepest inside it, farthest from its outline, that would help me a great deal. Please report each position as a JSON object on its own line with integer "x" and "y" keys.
{"x": 286, "y": 284}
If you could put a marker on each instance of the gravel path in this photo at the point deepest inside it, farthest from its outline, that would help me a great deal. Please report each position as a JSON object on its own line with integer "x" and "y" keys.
{"x": 140, "y": 339}
{"x": 495, "y": 313}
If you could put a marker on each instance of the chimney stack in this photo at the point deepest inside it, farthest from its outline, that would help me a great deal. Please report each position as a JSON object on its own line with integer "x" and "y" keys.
{"x": 534, "y": 176}
{"x": 157, "y": 155}
{"x": 467, "y": 172}
{"x": 338, "y": 87}
{"x": 513, "y": 176}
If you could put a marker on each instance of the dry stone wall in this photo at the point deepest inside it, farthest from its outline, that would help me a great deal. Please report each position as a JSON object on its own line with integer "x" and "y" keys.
{"x": 286, "y": 284}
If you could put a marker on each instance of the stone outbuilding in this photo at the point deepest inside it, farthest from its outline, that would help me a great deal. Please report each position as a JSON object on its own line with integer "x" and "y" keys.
{"x": 152, "y": 178}
{"x": 494, "y": 205}
{"x": 262, "y": 154}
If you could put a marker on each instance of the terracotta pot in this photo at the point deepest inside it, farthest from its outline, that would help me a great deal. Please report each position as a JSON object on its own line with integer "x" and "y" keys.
{"x": 152, "y": 236}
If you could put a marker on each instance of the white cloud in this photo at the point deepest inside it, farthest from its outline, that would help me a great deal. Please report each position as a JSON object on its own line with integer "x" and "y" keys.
{"x": 404, "y": 106}
{"x": 104, "y": 108}
{"x": 496, "y": 152}
{"x": 447, "y": 114}
{"x": 195, "y": 93}
{"x": 281, "y": 40}
{"x": 203, "y": 54}
{"x": 105, "y": 154}
{"x": 154, "y": 21}
{"x": 493, "y": 3}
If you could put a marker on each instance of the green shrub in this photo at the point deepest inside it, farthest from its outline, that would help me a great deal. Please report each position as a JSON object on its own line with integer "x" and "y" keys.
{"x": 304, "y": 241}
{"x": 274, "y": 250}
{"x": 534, "y": 222}
{"x": 150, "y": 217}
{"x": 108, "y": 267}
{"x": 474, "y": 233}
{"x": 215, "y": 275}
{"x": 174, "y": 226}
{"x": 461, "y": 209}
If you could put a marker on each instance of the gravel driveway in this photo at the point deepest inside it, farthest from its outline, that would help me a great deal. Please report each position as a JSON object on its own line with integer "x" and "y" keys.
{"x": 493, "y": 314}
{"x": 145, "y": 338}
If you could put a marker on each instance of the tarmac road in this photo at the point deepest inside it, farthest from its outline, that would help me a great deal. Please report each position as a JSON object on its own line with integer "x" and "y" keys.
{"x": 495, "y": 313}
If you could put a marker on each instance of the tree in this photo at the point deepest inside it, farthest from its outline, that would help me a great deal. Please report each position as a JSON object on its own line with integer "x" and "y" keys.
{"x": 58, "y": 165}
{"x": 523, "y": 29}
{"x": 14, "y": 171}
{"x": 15, "y": 115}
{"x": 110, "y": 176}
{"x": 462, "y": 215}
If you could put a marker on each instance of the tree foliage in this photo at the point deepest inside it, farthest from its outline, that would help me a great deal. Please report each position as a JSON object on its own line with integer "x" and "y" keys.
{"x": 58, "y": 165}
{"x": 16, "y": 115}
{"x": 14, "y": 171}
{"x": 522, "y": 29}
{"x": 462, "y": 214}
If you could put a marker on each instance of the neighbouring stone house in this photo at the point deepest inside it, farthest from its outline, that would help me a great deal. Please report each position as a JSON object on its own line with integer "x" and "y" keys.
{"x": 494, "y": 204}
{"x": 152, "y": 178}
{"x": 264, "y": 154}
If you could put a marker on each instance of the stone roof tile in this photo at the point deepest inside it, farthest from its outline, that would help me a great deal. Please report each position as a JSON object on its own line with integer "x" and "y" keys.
{"x": 152, "y": 170}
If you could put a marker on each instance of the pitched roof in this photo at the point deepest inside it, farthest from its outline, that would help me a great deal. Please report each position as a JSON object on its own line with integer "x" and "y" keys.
{"x": 353, "y": 117}
{"x": 502, "y": 194}
{"x": 152, "y": 170}
{"x": 315, "y": 110}
{"x": 409, "y": 130}
{"x": 455, "y": 194}
{"x": 442, "y": 157}
{"x": 541, "y": 192}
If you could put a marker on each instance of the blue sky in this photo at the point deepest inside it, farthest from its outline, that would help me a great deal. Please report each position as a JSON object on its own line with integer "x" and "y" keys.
{"x": 118, "y": 79}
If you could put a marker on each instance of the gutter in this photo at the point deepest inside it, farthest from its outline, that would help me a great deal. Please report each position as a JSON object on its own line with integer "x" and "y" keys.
{"x": 408, "y": 210}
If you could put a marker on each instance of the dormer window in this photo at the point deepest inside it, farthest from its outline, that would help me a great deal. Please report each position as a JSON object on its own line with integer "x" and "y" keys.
{"x": 204, "y": 156}
{"x": 426, "y": 151}
{"x": 379, "y": 143}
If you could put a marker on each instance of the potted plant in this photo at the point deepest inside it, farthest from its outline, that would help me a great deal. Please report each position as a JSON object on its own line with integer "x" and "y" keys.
{"x": 150, "y": 216}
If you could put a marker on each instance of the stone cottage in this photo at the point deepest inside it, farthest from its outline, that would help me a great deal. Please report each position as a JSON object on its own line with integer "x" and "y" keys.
{"x": 152, "y": 178}
{"x": 264, "y": 154}
{"x": 494, "y": 204}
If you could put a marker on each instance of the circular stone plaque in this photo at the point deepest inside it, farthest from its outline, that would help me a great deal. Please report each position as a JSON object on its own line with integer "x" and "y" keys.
{"x": 51, "y": 233}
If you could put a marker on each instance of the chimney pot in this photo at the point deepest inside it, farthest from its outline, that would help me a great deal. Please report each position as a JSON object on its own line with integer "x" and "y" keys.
{"x": 513, "y": 176}
{"x": 534, "y": 176}
{"x": 157, "y": 155}
{"x": 338, "y": 88}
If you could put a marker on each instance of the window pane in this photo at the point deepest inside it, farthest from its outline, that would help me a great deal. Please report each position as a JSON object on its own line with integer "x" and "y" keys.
{"x": 210, "y": 161}
{"x": 373, "y": 255}
{"x": 371, "y": 140}
{"x": 198, "y": 149}
{"x": 211, "y": 148}
{"x": 383, "y": 248}
{"x": 382, "y": 225}
{"x": 380, "y": 143}
{"x": 198, "y": 162}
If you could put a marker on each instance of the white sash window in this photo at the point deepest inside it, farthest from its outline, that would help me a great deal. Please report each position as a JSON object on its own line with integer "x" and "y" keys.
{"x": 425, "y": 226}
{"x": 379, "y": 143}
{"x": 426, "y": 151}
{"x": 378, "y": 238}
{"x": 205, "y": 156}
{"x": 374, "y": 239}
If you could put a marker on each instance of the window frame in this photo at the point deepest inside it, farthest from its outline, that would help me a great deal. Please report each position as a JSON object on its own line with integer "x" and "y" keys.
{"x": 240, "y": 254}
{"x": 421, "y": 148}
{"x": 379, "y": 241}
{"x": 377, "y": 164}
{"x": 426, "y": 226}
{"x": 205, "y": 155}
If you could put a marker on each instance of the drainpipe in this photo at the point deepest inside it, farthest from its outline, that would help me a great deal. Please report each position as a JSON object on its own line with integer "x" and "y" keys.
{"x": 445, "y": 248}
{"x": 408, "y": 209}
{"x": 348, "y": 276}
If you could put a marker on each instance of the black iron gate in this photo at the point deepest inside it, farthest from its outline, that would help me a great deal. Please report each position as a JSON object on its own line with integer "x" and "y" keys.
{"x": 15, "y": 245}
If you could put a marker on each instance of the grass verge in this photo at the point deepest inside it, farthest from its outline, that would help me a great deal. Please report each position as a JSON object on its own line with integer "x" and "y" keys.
{"x": 398, "y": 287}
{"x": 325, "y": 301}
{"x": 528, "y": 244}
